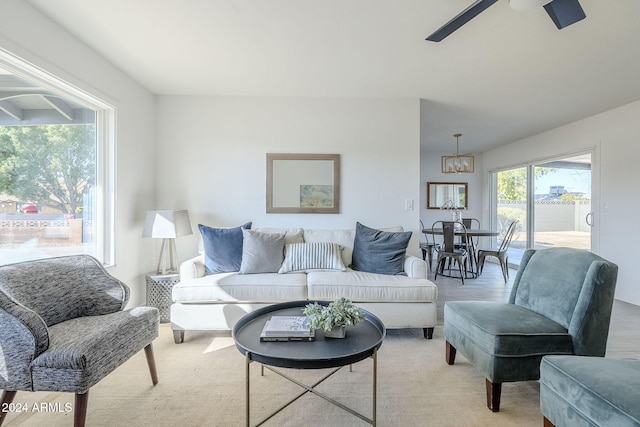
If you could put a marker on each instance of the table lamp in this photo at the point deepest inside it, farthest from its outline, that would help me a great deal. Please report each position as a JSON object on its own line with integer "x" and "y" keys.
{"x": 167, "y": 225}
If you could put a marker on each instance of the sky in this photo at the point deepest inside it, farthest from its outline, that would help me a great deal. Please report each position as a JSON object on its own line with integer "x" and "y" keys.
{"x": 574, "y": 181}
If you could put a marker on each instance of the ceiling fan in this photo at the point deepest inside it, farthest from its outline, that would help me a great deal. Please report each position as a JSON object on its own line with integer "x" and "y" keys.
{"x": 562, "y": 12}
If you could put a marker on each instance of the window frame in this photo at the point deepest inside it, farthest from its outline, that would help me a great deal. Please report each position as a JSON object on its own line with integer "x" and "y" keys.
{"x": 105, "y": 122}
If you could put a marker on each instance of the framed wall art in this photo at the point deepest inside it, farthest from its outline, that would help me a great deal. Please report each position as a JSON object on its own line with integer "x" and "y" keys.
{"x": 303, "y": 183}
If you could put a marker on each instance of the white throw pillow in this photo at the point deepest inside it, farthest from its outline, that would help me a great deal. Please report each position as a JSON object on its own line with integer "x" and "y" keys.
{"x": 300, "y": 257}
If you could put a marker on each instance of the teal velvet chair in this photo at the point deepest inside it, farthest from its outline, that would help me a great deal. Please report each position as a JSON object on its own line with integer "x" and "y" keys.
{"x": 589, "y": 391}
{"x": 560, "y": 303}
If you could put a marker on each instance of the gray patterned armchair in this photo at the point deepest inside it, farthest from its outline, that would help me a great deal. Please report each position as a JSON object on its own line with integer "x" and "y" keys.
{"x": 64, "y": 328}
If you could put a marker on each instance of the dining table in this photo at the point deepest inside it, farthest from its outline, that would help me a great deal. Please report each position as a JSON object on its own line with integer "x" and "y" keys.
{"x": 471, "y": 233}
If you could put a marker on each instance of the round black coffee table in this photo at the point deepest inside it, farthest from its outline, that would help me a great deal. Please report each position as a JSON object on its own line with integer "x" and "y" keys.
{"x": 361, "y": 342}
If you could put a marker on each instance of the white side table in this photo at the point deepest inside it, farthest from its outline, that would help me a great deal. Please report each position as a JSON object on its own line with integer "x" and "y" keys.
{"x": 159, "y": 288}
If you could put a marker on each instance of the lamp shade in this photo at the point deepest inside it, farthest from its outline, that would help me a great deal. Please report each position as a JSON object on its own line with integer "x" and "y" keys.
{"x": 167, "y": 224}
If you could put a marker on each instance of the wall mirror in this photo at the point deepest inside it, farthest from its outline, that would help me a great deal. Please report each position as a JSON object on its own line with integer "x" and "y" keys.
{"x": 447, "y": 194}
{"x": 303, "y": 183}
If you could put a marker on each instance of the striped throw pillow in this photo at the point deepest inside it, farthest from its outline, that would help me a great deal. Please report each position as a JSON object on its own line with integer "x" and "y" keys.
{"x": 301, "y": 257}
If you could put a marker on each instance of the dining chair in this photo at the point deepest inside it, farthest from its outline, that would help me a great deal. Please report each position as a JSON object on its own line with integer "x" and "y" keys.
{"x": 471, "y": 222}
{"x": 448, "y": 251}
{"x": 500, "y": 252}
{"x": 427, "y": 247}
{"x": 471, "y": 244}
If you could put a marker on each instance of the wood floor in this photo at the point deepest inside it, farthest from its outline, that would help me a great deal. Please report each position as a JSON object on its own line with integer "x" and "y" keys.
{"x": 624, "y": 340}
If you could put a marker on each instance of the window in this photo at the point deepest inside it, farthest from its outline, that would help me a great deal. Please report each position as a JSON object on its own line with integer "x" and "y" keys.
{"x": 550, "y": 199}
{"x": 56, "y": 167}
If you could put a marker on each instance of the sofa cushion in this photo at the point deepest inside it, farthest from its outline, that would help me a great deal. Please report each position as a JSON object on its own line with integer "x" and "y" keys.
{"x": 261, "y": 252}
{"x": 222, "y": 248}
{"x": 312, "y": 256}
{"x": 361, "y": 286}
{"x": 377, "y": 251}
{"x": 235, "y": 287}
{"x": 342, "y": 237}
{"x": 292, "y": 235}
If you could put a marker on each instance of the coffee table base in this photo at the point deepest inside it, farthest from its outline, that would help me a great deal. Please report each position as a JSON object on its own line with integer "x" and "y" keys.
{"x": 311, "y": 389}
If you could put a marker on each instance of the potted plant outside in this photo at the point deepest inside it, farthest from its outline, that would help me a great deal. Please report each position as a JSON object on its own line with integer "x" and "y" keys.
{"x": 333, "y": 318}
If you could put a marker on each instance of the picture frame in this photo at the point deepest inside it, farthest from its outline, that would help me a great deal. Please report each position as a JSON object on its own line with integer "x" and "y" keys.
{"x": 440, "y": 194}
{"x": 303, "y": 183}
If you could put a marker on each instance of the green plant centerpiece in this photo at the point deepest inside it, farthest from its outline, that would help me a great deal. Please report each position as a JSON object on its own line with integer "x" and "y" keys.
{"x": 333, "y": 318}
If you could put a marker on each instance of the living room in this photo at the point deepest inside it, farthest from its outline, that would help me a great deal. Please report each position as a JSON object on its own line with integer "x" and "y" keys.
{"x": 185, "y": 148}
{"x": 373, "y": 134}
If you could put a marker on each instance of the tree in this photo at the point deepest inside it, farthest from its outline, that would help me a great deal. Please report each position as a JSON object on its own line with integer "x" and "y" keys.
{"x": 512, "y": 183}
{"x": 52, "y": 165}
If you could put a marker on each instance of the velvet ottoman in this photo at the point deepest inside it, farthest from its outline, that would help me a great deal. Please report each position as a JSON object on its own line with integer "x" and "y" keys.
{"x": 590, "y": 391}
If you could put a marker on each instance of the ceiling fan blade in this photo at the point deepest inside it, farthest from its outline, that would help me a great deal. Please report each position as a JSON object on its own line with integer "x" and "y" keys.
{"x": 462, "y": 18}
{"x": 565, "y": 12}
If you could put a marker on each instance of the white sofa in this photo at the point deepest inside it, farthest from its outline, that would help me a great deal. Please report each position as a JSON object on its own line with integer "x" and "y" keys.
{"x": 218, "y": 301}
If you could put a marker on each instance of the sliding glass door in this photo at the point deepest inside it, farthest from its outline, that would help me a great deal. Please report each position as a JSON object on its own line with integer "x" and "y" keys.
{"x": 511, "y": 205}
{"x": 551, "y": 200}
{"x": 562, "y": 208}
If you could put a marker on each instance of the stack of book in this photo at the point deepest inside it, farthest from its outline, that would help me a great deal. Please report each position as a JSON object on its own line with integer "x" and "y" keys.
{"x": 287, "y": 328}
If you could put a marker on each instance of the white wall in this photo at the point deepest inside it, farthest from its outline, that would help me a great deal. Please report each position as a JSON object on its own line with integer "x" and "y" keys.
{"x": 615, "y": 135}
{"x": 211, "y": 156}
{"x": 26, "y": 33}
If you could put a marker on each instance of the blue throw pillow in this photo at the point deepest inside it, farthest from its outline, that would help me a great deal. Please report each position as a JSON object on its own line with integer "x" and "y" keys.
{"x": 222, "y": 248}
{"x": 377, "y": 251}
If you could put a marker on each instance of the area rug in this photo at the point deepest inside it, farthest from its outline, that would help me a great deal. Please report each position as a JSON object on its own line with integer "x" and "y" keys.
{"x": 202, "y": 383}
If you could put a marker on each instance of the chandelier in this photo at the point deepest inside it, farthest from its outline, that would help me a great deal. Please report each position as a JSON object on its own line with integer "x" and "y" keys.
{"x": 459, "y": 163}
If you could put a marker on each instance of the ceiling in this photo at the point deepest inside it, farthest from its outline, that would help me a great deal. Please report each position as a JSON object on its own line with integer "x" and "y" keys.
{"x": 504, "y": 76}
